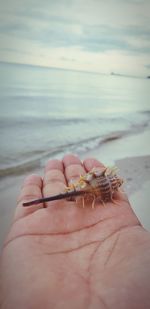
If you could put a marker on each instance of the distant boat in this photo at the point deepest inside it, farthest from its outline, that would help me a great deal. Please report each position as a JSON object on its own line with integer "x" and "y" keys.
{"x": 116, "y": 74}
{"x": 148, "y": 76}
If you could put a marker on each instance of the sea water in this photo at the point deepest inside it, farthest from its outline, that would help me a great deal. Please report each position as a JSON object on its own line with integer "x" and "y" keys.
{"x": 47, "y": 112}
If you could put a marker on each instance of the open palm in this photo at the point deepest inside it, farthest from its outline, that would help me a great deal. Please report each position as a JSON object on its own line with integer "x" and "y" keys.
{"x": 65, "y": 256}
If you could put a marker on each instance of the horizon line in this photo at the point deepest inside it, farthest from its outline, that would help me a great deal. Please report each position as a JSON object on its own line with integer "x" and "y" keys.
{"x": 72, "y": 70}
{"x": 50, "y": 67}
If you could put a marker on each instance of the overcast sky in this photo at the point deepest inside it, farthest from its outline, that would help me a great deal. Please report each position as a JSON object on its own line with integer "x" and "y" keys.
{"x": 88, "y": 35}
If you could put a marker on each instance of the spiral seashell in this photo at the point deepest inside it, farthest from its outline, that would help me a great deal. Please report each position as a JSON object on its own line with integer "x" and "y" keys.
{"x": 97, "y": 184}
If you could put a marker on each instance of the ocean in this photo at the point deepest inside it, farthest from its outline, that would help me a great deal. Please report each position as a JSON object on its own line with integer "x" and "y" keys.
{"x": 47, "y": 112}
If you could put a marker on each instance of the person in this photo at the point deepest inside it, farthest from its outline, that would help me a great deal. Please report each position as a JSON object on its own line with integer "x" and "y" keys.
{"x": 65, "y": 256}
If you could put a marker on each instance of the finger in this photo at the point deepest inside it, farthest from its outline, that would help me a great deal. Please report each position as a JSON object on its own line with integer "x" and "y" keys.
{"x": 91, "y": 163}
{"x": 54, "y": 180}
{"x": 31, "y": 190}
{"x": 73, "y": 168}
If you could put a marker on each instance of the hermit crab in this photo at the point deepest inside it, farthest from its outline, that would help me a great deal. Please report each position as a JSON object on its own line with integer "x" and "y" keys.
{"x": 97, "y": 185}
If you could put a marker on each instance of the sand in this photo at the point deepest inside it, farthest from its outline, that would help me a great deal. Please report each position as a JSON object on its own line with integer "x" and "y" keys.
{"x": 130, "y": 154}
{"x": 136, "y": 172}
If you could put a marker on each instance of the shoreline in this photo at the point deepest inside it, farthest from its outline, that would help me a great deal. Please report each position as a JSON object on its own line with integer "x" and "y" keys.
{"x": 130, "y": 154}
{"x": 134, "y": 145}
{"x": 90, "y": 145}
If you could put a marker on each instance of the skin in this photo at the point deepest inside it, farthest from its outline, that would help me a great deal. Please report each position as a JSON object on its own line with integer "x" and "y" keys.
{"x": 67, "y": 256}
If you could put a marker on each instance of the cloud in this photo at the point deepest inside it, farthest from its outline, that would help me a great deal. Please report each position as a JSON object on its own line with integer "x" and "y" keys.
{"x": 64, "y": 32}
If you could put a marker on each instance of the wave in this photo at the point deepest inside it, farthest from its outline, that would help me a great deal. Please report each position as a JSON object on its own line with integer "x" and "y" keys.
{"x": 37, "y": 159}
{"x": 19, "y": 169}
{"x": 34, "y": 159}
{"x": 114, "y": 136}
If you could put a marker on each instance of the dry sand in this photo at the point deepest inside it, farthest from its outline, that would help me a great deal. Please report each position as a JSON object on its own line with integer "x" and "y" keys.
{"x": 135, "y": 169}
{"x": 136, "y": 172}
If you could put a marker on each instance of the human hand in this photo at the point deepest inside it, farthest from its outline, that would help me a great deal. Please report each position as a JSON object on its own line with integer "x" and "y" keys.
{"x": 65, "y": 256}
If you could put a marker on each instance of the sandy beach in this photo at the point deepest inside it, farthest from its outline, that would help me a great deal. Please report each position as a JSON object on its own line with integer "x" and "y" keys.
{"x": 130, "y": 154}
